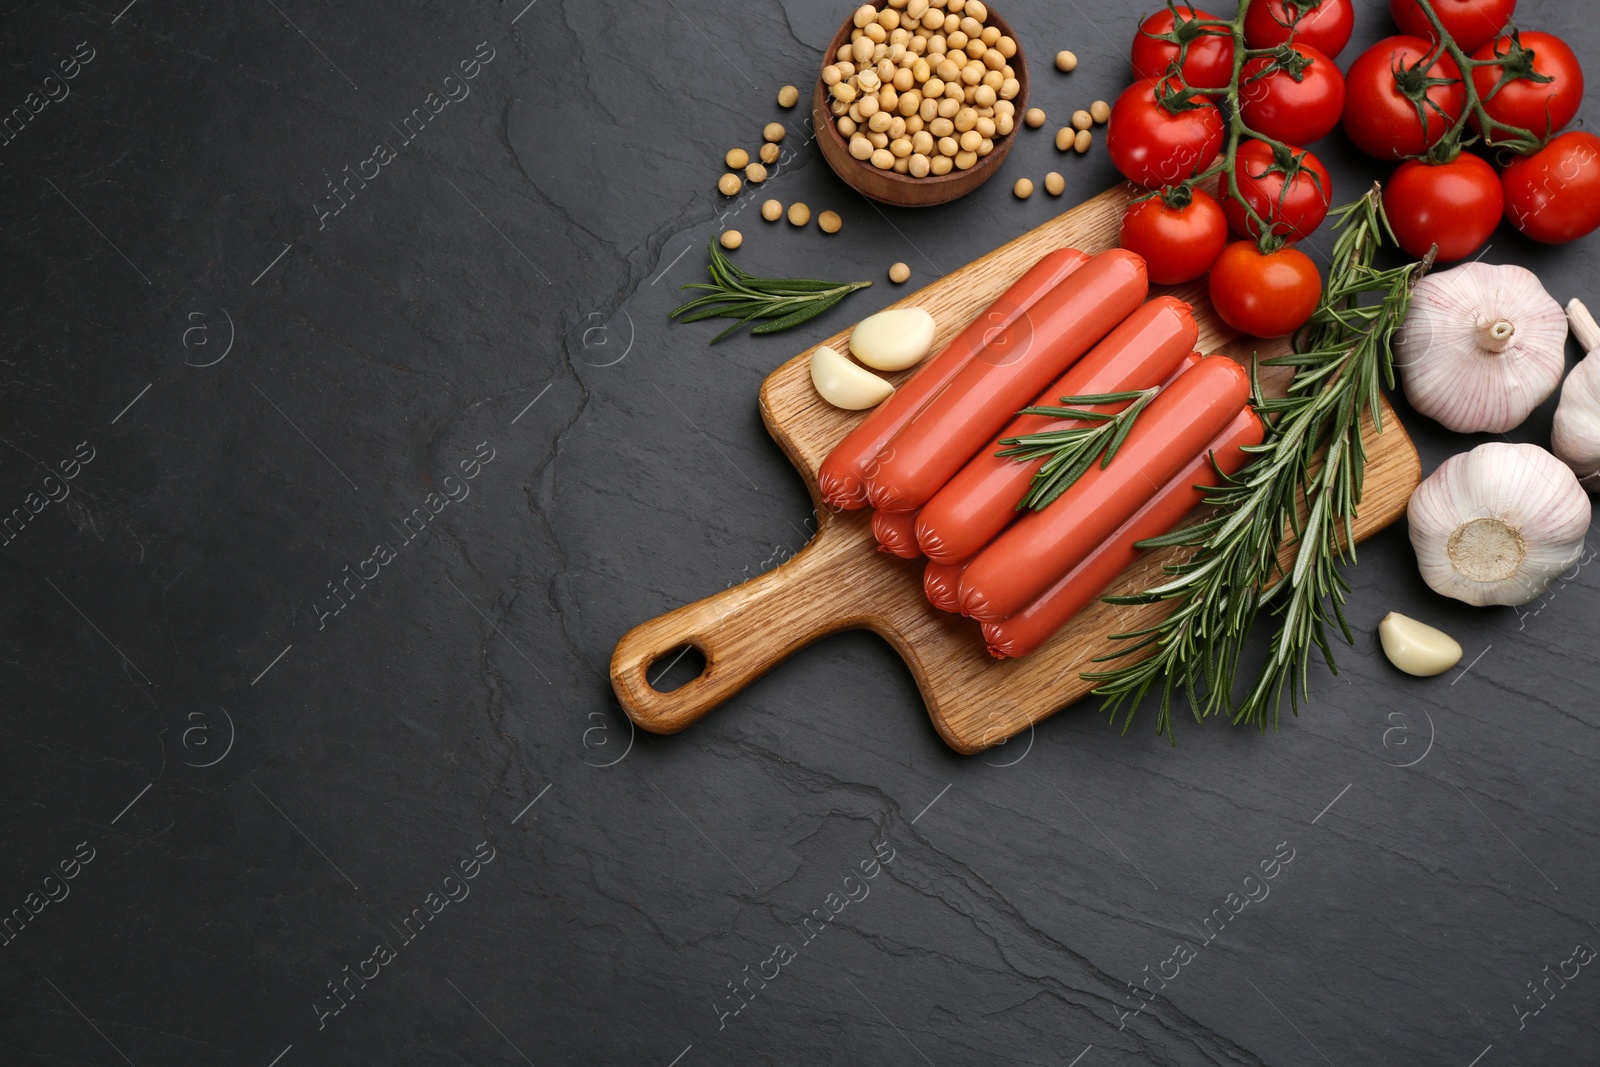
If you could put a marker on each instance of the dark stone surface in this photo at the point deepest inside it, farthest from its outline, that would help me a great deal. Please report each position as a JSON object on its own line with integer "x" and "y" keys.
{"x": 266, "y": 793}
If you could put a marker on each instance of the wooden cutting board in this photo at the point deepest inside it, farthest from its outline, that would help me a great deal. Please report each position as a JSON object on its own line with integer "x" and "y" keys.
{"x": 840, "y": 581}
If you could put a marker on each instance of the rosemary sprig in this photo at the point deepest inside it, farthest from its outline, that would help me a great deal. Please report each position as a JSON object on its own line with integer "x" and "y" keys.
{"x": 1073, "y": 451}
{"x": 1283, "y": 525}
{"x": 738, "y": 294}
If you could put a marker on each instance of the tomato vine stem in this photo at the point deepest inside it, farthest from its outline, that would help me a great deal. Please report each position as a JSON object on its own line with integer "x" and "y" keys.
{"x": 1449, "y": 146}
{"x": 1228, "y": 101}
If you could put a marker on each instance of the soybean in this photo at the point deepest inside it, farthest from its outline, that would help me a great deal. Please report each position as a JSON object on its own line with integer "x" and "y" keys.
{"x": 799, "y": 214}
{"x": 772, "y": 210}
{"x": 729, "y": 185}
{"x": 1082, "y": 142}
{"x": 736, "y": 158}
{"x": 773, "y": 133}
{"x": 731, "y": 239}
{"x": 1023, "y": 188}
{"x": 829, "y": 222}
{"x": 1054, "y": 183}
{"x": 1082, "y": 120}
{"x": 1034, "y": 117}
{"x": 1066, "y": 61}
{"x": 788, "y": 96}
{"x": 1100, "y": 111}
{"x": 755, "y": 174}
{"x": 899, "y": 273}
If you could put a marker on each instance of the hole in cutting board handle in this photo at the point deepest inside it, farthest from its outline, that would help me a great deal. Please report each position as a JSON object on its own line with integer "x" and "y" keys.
{"x": 675, "y": 668}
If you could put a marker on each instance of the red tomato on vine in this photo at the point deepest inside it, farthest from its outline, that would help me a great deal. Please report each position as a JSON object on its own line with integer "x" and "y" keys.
{"x": 1511, "y": 96}
{"x": 1299, "y": 102}
{"x": 1154, "y": 145}
{"x": 1323, "y": 24}
{"x": 1207, "y": 53}
{"x": 1291, "y": 194}
{"x": 1471, "y": 22}
{"x": 1265, "y": 295}
{"x": 1393, "y": 108}
{"x": 1554, "y": 195}
{"x": 1178, "y": 242}
{"x": 1454, "y": 205}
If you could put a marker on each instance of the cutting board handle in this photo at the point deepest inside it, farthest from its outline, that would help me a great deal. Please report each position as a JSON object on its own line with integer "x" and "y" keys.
{"x": 742, "y": 632}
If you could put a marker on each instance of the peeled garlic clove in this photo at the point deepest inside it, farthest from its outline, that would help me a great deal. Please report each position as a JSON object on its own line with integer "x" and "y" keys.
{"x": 845, "y": 385}
{"x": 1575, "y": 436}
{"x": 1417, "y": 648}
{"x": 893, "y": 340}
{"x": 1497, "y": 525}
{"x": 1483, "y": 345}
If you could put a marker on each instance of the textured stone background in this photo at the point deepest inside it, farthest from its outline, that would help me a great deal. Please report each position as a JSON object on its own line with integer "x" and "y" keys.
{"x": 267, "y": 793}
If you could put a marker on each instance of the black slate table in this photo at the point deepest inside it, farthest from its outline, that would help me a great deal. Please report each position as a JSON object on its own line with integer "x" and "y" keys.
{"x": 348, "y": 322}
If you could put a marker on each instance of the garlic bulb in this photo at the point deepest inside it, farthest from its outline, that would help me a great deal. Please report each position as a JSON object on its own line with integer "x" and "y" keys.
{"x": 1496, "y": 525}
{"x": 1483, "y": 345}
{"x": 1575, "y": 437}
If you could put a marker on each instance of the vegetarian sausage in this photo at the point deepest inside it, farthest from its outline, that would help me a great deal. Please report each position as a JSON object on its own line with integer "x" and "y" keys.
{"x": 1042, "y": 546}
{"x": 896, "y": 532}
{"x": 842, "y": 477}
{"x": 984, "y": 395}
{"x": 1056, "y": 606}
{"x": 981, "y": 500}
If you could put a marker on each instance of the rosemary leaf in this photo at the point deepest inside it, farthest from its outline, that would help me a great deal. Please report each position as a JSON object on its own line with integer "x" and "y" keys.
{"x": 734, "y": 293}
{"x": 1072, "y": 451}
{"x": 1282, "y": 526}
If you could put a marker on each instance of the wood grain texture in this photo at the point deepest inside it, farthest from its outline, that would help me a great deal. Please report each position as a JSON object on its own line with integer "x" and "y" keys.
{"x": 840, "y": 581}
{"x": 902, "y": 190}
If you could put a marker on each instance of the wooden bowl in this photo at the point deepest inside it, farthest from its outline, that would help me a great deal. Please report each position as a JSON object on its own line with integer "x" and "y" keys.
{"x": 902, "y": 190}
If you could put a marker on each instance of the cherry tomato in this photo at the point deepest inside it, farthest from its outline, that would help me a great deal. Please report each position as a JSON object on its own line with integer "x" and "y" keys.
{"x": 1268, "y": 295}
{"x": 1208, "y": 60}
{"x": 1323, "y": 24}
{"x": 1293, "y": 208}
{"x": 1152, "y": 146}
{"x": 1178, "y": 244}
{"x": 1454, "y": 205}
{"x": 1471, "y": 22}
{"x": 1554, "y": 195}
{"x": 1538, "y": 107}
{"x": 1380, "y": 118}
{"x": 1288, "y": 108}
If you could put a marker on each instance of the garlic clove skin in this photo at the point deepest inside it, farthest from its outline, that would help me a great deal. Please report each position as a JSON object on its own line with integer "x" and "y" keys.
{"x": 893, "y": 340}
{"x": 1417, "y": 648}
{"x": 1482, "y": 346}
{"x": 845, "y": 385}
{"x": 1498, "y": 524}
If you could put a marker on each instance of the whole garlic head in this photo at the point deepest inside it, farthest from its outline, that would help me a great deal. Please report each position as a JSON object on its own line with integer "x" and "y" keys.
{"x": 1575, "y": 437}
{"x": 1483, "y": 345}
{"x": 1496, "y": 525}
